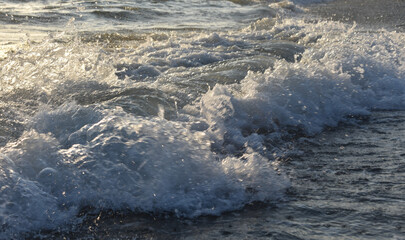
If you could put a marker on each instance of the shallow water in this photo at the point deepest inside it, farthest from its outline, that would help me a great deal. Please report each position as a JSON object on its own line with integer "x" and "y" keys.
{"x": 348, "y": 184}
{"x": 209, "y": 119}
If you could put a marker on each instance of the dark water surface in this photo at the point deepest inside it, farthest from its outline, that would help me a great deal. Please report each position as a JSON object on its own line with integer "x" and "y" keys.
{"x": 371, "y": 13}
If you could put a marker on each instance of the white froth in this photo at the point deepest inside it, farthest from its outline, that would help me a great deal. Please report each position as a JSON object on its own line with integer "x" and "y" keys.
{"x": 118, "y": 161}
{"x": 343, "y": 73}
{"x": 213, "y": 155}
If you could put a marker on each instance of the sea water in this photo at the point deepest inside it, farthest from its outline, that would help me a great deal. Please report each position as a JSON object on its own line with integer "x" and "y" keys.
{"x": 210, "y": 119}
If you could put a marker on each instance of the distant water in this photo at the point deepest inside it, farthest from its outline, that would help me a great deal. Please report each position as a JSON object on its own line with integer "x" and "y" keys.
{"x": 210, "y": 119}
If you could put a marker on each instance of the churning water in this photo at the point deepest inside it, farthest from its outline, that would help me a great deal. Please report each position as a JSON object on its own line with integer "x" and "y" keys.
{"x": 121, "y": 116}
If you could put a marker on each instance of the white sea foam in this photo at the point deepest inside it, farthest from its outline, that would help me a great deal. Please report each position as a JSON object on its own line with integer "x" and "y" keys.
{"x": 75, "y": 157}
{"x": 198, "y": 151}
{"x": 343, "y": 73}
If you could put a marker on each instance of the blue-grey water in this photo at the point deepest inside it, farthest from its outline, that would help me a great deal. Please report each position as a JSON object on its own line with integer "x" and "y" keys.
{"x": 195, "y": 119}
